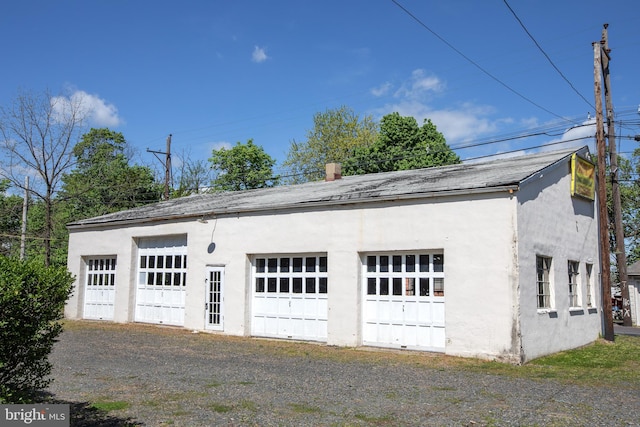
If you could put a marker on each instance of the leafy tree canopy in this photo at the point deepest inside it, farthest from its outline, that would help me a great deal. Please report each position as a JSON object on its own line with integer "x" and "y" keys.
{"x": 401, "y": 145}
{"x": 335, "y": 134}
{"x": 243, "y": 167}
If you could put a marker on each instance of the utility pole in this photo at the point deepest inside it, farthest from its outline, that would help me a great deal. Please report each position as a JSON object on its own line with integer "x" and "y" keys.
{"x": 167, "y": 166}
{"x": 23, "y": 227}
{"x": 603, "y": 220}
{"x": 621, "y": 256}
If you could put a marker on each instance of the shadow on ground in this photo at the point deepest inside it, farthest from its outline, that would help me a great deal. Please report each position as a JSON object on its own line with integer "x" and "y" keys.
{"x": 84, "y": 414}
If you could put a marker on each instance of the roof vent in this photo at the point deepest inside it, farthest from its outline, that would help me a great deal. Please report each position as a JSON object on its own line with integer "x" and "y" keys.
{"x": 334, "y": 171}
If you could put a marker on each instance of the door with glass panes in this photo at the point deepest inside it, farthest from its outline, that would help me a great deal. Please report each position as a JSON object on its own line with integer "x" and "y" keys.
{"x": 214, "y": 315}
{"x": 404, "y": 300}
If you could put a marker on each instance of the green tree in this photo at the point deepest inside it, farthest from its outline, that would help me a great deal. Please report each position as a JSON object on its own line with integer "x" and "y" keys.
{"x": 401, "y": 145}
{"x": 32, "y": 299}
{"x": 243, "y": 167}
{"x": 103, "y": 180}
{"x": 335, "y": 134}
{"x": 193, "y": 177}
{"x": 10, "y": 220}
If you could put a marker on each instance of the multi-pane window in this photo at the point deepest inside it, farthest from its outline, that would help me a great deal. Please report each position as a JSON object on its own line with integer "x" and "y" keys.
{"x": 101, "y": 272}
{"x": 291, "y": 275}
{"x": 163, "y": 270}
{"x": 589, "y": 285}
{"x": 573, "y": 267}
{"x": 543, "y": 291}
{"x": 415, "y": 274}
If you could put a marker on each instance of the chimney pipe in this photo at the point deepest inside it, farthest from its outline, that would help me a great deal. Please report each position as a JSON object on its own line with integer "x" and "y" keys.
{"x": 334, "y": 171}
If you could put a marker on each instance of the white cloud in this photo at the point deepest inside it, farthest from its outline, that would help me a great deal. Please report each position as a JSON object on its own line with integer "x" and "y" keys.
{"x": 219, "y": 145}
{"x": 95, "y": 109}
{"x": 259, "y": 55}
{"x": 381, "y": 90}
{"x": 420, "y": 85}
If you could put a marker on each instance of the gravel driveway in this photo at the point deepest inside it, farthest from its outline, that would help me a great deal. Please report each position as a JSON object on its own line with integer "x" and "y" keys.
{"x": 170, "y": 376}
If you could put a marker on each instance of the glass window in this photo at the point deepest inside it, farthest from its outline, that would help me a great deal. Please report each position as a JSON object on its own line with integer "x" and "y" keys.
{"x": 410, "y": 263}
{"x": 310, "y": 264}
{"x": 371, "y": 264}
{"x": 384, "y": 263}
{"x": 424, "y": 287}
{"x": 410, "y": 286}
{"x": 272, "y": 265}
{"x": 438, "y": 287}
{"x": 259, "y": 284}
{"x": 297, "y": 265}
{"x": 260, "y": 264}
{"x": 297, "y": 285}
{"x": 160, "y": 263}
{"x": 397, "y": 286}
{"x": 397, "y": 263}
{"x": 543, "y": 268}
{"x": 272, "y": 284}
{"x": 284, "y": 265}
{"x": 284, "y": 285}
{"x": 573, "y": 268}
{"x": 384, "y": 286}
{"x": 409, "y": 275}
{"x": 323, "y": 264}
{"x": 322, "y": 285}
{"x": 310, "y": 285}
{"x": 438, "y": 263}
{"x": 371, "y": 286}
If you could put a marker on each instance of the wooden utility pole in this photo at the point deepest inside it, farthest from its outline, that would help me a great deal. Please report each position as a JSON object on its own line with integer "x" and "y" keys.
{"x": 167, "y": 166}
{"x": 603, "y": 217}
{"x": 23, "y": 227}
{"x": 621, "y": 256}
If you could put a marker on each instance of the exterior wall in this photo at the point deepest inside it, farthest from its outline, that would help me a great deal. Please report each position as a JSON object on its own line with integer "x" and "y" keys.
{"x": 634, "y": 298}
{"x": 476, "y": 234}
{"x": 553, "y": 224}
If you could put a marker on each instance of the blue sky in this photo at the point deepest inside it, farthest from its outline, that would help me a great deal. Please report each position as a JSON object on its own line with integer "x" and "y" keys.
{"x": 213, "y": 73}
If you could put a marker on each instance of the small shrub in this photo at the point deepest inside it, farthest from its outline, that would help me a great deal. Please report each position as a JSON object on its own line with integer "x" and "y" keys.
{"x": 32, "y": 299}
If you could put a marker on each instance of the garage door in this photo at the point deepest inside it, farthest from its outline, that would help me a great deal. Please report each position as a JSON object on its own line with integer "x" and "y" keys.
{"x": 100, "y": 288}
{"x": 162, "y": 275}
{"x": 404, "y": 301}
{"x": 290, "y": 297}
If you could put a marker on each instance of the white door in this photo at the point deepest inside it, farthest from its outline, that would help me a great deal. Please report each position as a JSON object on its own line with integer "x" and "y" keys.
{"x": 162, "y": 276}
{"x": 100, "y": 288}
{"x": 290, "y": 297}
{"x": 214, "y": 314}
{"x": 404, "y": 301}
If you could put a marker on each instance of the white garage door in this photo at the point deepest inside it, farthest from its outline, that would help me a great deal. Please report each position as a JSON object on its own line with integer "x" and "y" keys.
{"x": 290, "y": 297}
{"x": 404, "y": 301}
{"x": 162, "y": 275}
{"x": 100, "y": 288}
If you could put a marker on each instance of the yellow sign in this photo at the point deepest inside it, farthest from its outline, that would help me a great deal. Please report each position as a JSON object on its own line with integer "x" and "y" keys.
{"x": 583, "y": 177}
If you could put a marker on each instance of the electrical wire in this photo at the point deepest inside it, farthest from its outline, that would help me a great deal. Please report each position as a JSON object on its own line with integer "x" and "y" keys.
{"x": 475, "y": 64}
{"x": 545, "y": 55}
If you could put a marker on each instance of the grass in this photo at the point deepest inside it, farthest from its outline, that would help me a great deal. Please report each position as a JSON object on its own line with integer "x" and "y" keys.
{"x": 108, "y": 406}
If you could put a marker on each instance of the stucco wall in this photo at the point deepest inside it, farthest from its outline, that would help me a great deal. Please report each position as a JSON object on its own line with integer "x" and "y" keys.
{"x": 475, "y": 233}
{"x": 553, "y": 224}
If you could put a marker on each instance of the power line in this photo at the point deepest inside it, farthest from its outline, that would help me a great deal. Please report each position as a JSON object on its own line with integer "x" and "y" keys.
{"x": 475, "y": 64}
{"x": 545, "y": 54}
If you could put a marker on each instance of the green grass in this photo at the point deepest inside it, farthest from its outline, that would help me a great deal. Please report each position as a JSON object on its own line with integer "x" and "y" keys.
{"x": 219, "y": 407}
{"x": 302, "y": 408}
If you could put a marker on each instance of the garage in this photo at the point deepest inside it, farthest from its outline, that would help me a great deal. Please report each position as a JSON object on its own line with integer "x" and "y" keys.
{"x": 162, "y": 275}
{"x": 290, "y": 297}
{"x": 100, "y": 288}
{"x": 404, "y": 301}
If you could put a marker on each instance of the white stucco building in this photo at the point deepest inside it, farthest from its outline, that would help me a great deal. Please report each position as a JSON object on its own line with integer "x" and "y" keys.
{"x": 633, "y": 271}
{"x": 492, "y": 259}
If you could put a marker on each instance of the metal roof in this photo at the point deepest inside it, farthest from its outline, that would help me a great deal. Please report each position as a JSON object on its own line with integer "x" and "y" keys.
{"x": 464, "y": 178}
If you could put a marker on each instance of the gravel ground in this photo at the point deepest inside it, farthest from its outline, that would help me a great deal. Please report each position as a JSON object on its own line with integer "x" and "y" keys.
{"x": 169, "y": 376}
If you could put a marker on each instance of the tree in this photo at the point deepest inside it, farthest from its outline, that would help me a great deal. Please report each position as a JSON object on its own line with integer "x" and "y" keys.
{"x": 243, "y": 167}
{"x": 10, "y": 220}
{"x": 38, "y": 132}
{"x": 193, "y": 177}
{"x": 401, "y": 145}
{"x": 336, "y": 133}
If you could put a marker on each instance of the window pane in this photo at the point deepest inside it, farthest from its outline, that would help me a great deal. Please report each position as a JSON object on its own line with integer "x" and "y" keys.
{"x": 91, "y": 263}
{"x": 424, "y": 287}
{"x": 152, "y": 262}
{"x": 158, "y": 279}
{"x": 438, "y": 287}
{"x": 323, "y": 264}
{"x": 297, "y": 284}
{"x": 284, "y": 284}
{"x": 184, "y": 279}
{"x": 311, "y": 285}
{"x": 384, "y": 286}
{"x": 297, "y": 265}
{"x": 384, "y": 263}
{"x": 260, "y": 284}
{"x": 371, "y": 264}
{"x": 410, "y": 263}
{"x": 169, "y": 261}
{"x": 272, "y": 265}
{"x": 176, "y": 279}
{"x": 322, "y": 285}
{"x": 410, "y": 286}
{"x": 397, "y": 286}
{"x": 310, "y": 264}
{"x": 397, "y": 263}
{"x": 150, "y": 278}
{"x": 438, "y": 263}
{"x": 284, "y": 265}
{"x": 271, "y": 284}
{"x": 371, "y": 286}
{"x": 260, "y": 263}
{"x": 167, "y": 279}
{"x": 184, "y": 261}
{"x": 160, "y": 263}
{"x": 424, "y": 263}
{"x": 112, "y": 280}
